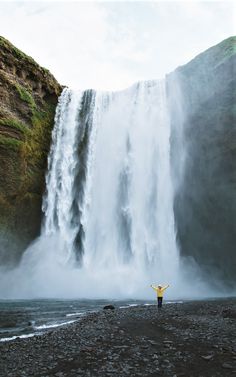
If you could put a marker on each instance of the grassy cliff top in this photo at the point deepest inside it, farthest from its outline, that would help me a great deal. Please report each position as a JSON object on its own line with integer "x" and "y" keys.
{"x": 213, "y": 56}
{"x": 5, "y": 44}
{"x": 12, "y": 56}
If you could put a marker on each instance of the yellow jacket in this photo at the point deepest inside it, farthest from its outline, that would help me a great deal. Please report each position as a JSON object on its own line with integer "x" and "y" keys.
{"x": 160, "y": 291}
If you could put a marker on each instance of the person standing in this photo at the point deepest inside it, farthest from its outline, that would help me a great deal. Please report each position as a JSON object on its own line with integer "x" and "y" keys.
{"x": 160, "y": 292}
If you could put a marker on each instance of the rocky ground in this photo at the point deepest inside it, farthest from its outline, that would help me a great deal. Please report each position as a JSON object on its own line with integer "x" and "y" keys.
{"x": 190, "y": 339}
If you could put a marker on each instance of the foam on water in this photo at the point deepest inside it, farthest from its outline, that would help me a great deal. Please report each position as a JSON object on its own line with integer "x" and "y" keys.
{"x": 74, "y": 314}
{"x": 53, "y": 325}
{"x": 18, "y": 337}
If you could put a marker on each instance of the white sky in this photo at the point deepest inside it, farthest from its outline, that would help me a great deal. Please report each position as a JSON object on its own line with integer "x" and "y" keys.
{"x": 110, "y": 45}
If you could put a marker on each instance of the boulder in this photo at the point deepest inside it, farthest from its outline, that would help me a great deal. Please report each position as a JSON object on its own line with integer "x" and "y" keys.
{"x": 109, "y": 307}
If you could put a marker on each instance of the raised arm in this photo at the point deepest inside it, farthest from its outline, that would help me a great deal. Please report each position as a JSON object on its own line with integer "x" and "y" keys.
{"x": 164, "y": 288}
{"x": 152, "y": 286}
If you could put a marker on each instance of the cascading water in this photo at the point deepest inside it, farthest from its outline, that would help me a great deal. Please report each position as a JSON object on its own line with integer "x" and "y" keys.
{"x": 129, "y": 222}
{"x": 109, "y": 222}
{"x": 66, "y": 178}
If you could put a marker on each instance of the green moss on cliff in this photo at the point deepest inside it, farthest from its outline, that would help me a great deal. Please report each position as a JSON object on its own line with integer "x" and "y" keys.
{"x": 9, "y": 142}
{"x": 14, "y": 124}
{"x": 4, "y": 208}
{"x": 38, "y": 140}
{"x": 19, "y": 55}
{"x": 29, "y": 96}
{"x": 25, "y": 96}
{"x": 25, "y": 163}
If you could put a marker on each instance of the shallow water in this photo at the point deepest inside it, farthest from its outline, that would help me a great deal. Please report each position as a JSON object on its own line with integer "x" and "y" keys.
{"x": 25, "y": 318}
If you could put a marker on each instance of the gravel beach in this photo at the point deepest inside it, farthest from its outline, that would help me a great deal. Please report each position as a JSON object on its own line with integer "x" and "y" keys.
{"x": 182, "y": 340}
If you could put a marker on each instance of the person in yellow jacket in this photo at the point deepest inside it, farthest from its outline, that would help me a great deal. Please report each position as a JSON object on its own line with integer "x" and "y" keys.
{"x": 160, "y": 292}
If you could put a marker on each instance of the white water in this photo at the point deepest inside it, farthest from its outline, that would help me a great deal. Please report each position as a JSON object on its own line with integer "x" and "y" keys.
{"x": 109, "y": 224}
{"x": 129, "y": 224}
{"x": 51, "y": 326}
{"x": 60, "y": 178}
{"x": 18, "y": 337}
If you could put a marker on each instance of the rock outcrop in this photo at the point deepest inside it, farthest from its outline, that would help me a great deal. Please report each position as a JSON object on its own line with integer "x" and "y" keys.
{"x": 28, "y": 98}
{"x": 202, "y": 97}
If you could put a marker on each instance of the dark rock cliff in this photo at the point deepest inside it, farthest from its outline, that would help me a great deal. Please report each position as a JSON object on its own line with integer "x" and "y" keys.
{"x": 202, "y": 96}
{"x": 28, "y": 98}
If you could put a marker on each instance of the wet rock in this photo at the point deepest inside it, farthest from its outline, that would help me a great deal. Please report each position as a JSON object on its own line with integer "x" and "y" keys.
{"x": 207, "y": 357}
{"x": 130, "y": 342}
{"x": 227, "y": 366}
{"x": 229, "y": 313}
{"x": 109, "y": 307}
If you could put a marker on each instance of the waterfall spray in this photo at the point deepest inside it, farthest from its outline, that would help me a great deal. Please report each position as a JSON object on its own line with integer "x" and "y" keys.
{"x": 108, "y": 207}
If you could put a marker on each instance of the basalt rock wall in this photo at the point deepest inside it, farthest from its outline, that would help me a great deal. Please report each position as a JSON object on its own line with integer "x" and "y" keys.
{"x": 28, "y": 98}
{"x": 202, "y": 98}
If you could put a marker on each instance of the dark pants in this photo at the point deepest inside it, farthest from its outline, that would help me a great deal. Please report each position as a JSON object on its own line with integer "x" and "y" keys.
{"x": 159, "y": 302}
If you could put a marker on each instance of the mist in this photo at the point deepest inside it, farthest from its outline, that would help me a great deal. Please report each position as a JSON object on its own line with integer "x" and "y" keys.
{"x": 109, "y": 227}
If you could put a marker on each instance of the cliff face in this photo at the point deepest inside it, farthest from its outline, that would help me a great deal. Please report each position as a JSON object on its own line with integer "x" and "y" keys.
{"x": 202, "y": 96}
{"x": 28, "y": 98}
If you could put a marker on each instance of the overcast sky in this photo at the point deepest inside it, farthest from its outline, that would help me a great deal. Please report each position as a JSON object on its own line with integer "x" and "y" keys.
{"x": 110, "y": 45}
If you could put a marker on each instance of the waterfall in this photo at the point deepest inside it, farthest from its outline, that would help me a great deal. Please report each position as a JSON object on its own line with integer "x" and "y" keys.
{"x": 108, "y": 228}
{"x": 66, "y": 176}
{"x": 130, "y": 217}
{"x": 109, "y": 194}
